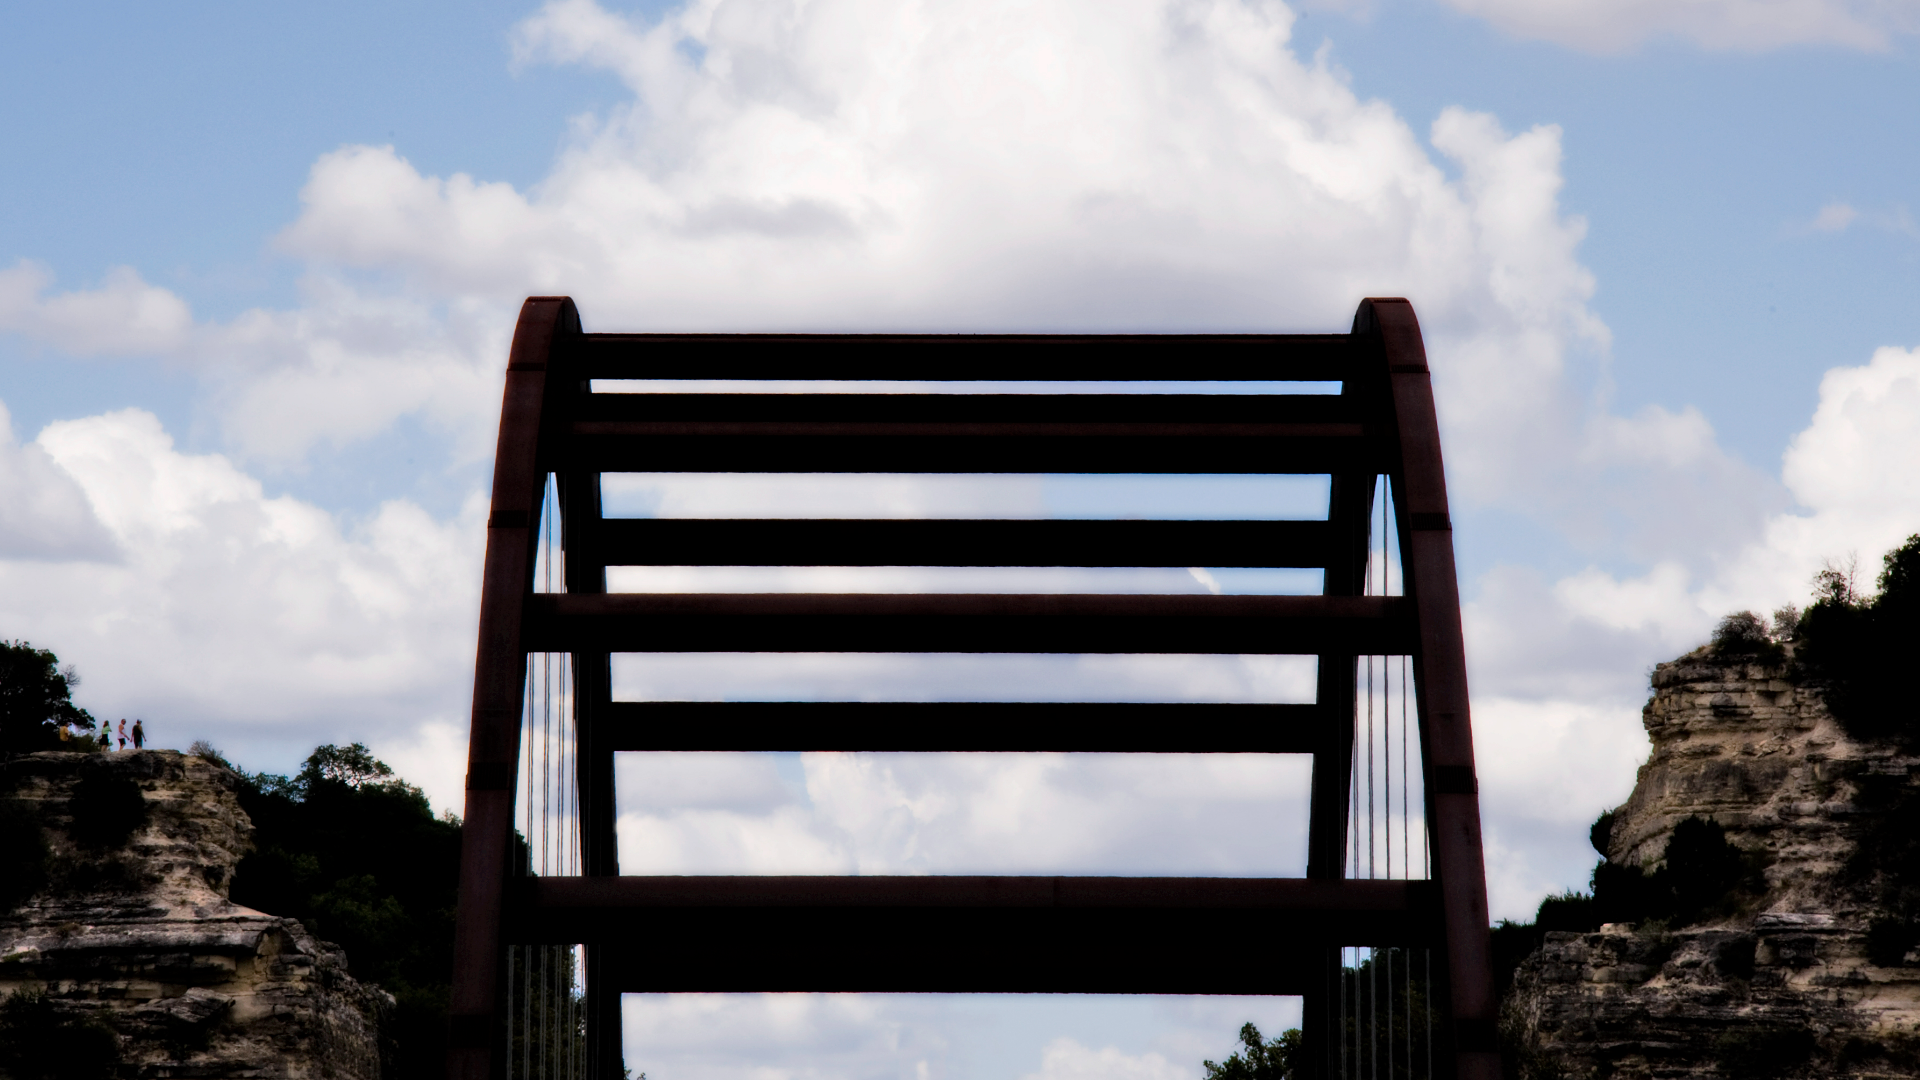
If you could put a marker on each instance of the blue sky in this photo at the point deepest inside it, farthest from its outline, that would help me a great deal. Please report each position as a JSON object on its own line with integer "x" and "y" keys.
{"x": 258, "y": 265}
{"x": 176, "y": 142}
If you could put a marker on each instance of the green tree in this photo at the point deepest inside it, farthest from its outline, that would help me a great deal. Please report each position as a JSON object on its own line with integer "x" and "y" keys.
{"x": 1260, "y": 1059}
{"x": 356, "y": 853}
{"x": 1860, "y": 647}
{"x": 355, "y": 766}
{"x": 36, "y": 699}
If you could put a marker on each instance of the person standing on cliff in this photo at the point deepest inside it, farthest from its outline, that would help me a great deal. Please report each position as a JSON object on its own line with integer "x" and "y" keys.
{"x": 123, "y": 733}
{"x": 139, "y": 736}
{"x": 106, "y": 735}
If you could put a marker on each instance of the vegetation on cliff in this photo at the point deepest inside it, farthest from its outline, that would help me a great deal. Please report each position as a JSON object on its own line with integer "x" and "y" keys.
{"x": 356, "y": 854}
{"x": 106, "y": 809}
{"x": 1861, "y": 647}
{"x": 1798, "y": 735}
{"x": 1857, "y": 648}
{"x": 38, "y": 1042}
{"x": 1700, "y": 875}
{"x": 36, "y": 700}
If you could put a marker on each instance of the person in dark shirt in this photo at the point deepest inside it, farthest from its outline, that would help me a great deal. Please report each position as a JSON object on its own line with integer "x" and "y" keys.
{"x": 139, "y": 736}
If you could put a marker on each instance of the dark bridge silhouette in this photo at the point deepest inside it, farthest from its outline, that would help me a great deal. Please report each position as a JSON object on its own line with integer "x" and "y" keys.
{"x": 1385, "y": 938}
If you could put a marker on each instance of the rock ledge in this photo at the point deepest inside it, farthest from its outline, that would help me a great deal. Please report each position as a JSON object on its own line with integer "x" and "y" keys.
{"x": 1782, "y": 988}
{"x": 140, "y": 934}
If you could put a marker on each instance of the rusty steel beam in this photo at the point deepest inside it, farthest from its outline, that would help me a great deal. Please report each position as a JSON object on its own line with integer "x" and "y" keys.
{"x": 794, "y": 447}
{"x": 955, "y": 542}
{"x": 1446, "y": 733}
{"x": 989, "y": 726}
{"x": 1150, "y": 412}
{"x": 967, "y": 357}
{"x": 500, "y": 669}
{"x": 968, "y": 934}
{"x": 1083, "y": 956}
{"x": 968, "y": 623}
{"x": 552, "y": 901}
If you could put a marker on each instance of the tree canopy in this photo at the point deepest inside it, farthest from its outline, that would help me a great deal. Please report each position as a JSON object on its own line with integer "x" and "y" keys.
{"x": 36, "y": 699}
{"x": 356, "y": 853}
{"x": 1259, "y": 1058}
{"x": 1860, "y": 646}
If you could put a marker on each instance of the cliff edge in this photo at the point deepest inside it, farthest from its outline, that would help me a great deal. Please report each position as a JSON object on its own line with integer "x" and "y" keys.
{"x": 1800, "y": 969}
{"x": 127, "y": 924}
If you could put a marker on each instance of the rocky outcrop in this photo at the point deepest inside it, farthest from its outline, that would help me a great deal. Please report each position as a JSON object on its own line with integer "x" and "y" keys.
{"x": 133, "y": 928}
{"x": 1782, "y": 986}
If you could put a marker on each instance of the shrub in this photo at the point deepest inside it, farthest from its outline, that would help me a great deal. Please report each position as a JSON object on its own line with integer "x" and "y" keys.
{"x": 38, "y": 1042}
{"x": 106, "y": 809}
{"x": 1743, "y": 634}
{"x": 1888, "y": 940}
{"x": 23, "y": 854}
{"x": 1601, "y": 834}
{"x": 1733, "y": 957}
{"x": 1702, "y": 868}
{"x": 1701, "y": 873}
{"x": 1570, "y": 910}
{"x": 1786, "y": 623}
{"x": 1762, "y": 1052}
{"x": 205, "y": 751}
{"x": 1623, "y": 893}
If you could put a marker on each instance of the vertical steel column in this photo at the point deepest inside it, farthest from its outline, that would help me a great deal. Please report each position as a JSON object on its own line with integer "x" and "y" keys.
{"x": 586, "y": 573}
{"x": 1350, "y": 513}
{"x": 1350, "y": 505}
{"x": 1446, "y": 731}
{"x": 475, "y": 1036}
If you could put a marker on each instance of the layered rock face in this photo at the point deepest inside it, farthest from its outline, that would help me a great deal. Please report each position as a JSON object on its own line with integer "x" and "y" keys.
{"x": 134, "y": 928}
{"x": 1781, "y": 987}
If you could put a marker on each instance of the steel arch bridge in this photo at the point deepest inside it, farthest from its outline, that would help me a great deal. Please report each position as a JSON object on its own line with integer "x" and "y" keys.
{"x": 543, "y": 908}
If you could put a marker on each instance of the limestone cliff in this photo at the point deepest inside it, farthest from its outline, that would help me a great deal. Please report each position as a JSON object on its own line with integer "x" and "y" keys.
{"x": 133, "y": 927}
{"x": 1781, "y": 981}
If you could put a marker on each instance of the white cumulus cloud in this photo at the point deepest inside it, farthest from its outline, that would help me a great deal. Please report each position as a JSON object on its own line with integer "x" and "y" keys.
{"x": 1204, "y": 814}
{"x": 125, "y": 315}
{"x": 1066, "y": 1059}
{"x": 251, "y": 619}
{"x": 1850, "y": 495}
{"x": 44, "y": 514}
{"x": 1559, "y": 667}
{"x": 874, "y": 164}
{"x": 1607, "y": 26}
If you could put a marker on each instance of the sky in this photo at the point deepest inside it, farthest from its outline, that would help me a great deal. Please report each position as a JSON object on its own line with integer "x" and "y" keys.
{"x": 259, "y": 266}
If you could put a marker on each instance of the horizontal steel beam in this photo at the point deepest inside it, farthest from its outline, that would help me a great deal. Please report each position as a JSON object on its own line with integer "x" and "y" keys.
{"x": 798, "y": 446}
{"x": 1015, "y": 726}
{"x": 844, "y": 542}
{"x": 921, "y": 408}
{"x": 968, "y": 623}
{"x": 965, "y": 357}
{"x": 970, "y": 934}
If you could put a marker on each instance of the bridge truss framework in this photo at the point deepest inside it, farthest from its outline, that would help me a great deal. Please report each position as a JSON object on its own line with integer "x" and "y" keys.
{"x": 967, "y": 934}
